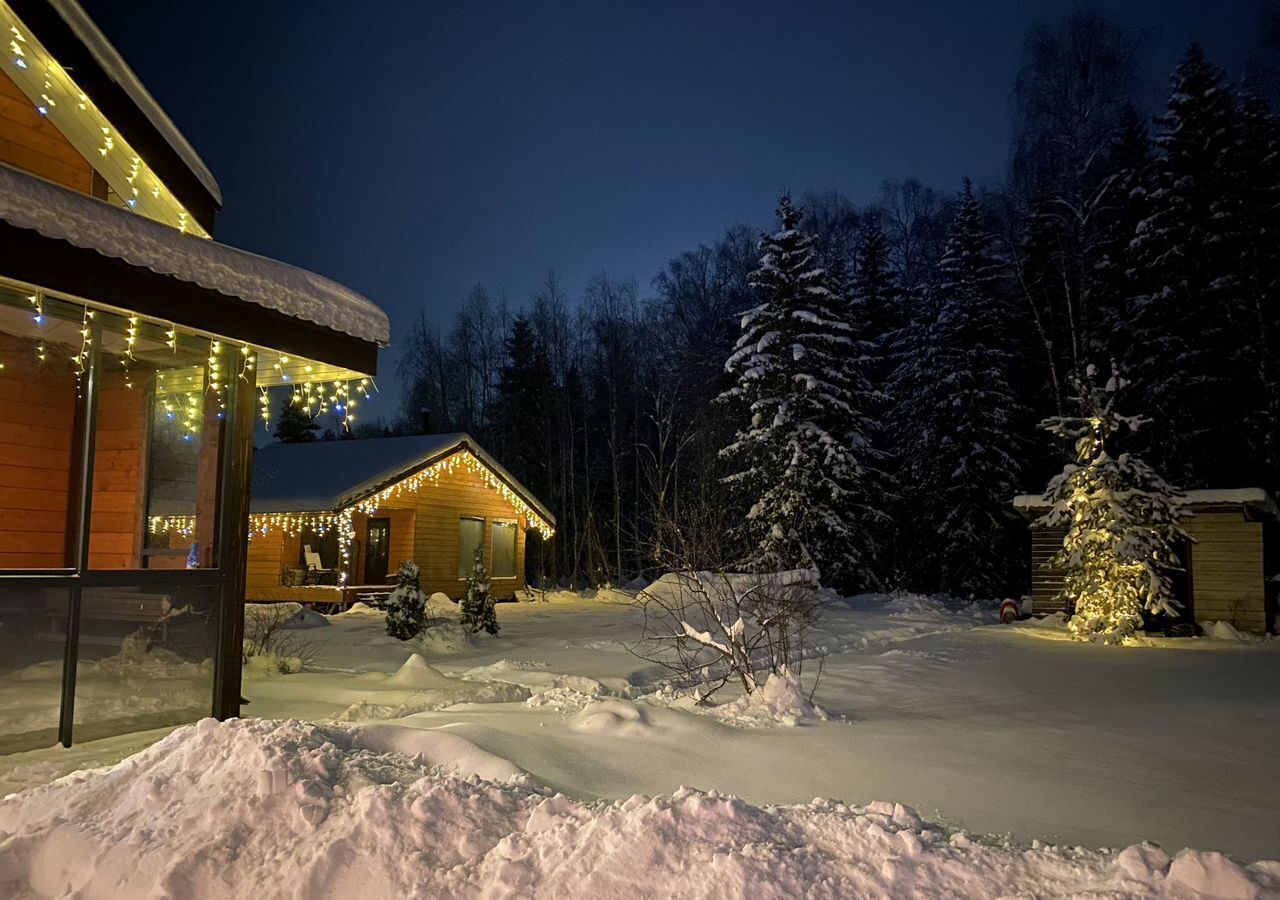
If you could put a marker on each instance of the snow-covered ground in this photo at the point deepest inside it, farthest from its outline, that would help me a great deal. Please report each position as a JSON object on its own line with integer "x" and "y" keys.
{"x": 1015, "y": 747}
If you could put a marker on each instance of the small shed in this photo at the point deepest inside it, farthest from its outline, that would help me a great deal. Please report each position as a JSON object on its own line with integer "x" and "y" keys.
{"x": 331, "y": 521}
{"x": 1226, "y": 565}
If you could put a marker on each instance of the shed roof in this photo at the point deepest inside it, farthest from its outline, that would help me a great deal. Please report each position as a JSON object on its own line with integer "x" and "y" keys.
{"x": 1252, "y": 499}
{"x": 318, "y": 476}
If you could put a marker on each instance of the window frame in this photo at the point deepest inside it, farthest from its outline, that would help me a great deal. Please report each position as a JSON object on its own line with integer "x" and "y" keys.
{"x": 464, "y": 574}
{"x": 515, "y": 547}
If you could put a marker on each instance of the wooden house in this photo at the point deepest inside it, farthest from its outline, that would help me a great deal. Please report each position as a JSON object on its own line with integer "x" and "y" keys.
{"x": 1225, "y": 564}
{"x": 134, "y": 353}
{"x": 360, "y": 508}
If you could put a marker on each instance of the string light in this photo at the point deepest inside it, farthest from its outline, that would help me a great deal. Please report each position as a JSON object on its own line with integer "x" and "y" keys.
{"x": 264, "y": 405}
{"x": 37, "y": 303}
{"x": 54, "y": 94}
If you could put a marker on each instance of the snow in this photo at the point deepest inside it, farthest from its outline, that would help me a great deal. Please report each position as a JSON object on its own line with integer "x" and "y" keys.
{"x": 1254, "y": 497}
{"x": 549, "y": 760}
{"x": 56, "y": 212}
{"x": 262, "y": 808}
{"x": 106, "y": 56}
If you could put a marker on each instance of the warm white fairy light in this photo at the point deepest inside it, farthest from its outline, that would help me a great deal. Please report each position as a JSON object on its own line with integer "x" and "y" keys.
{"x": 264, "y": 408}
{"x": 54, "y": 94}
{"x": 430, "y": 477}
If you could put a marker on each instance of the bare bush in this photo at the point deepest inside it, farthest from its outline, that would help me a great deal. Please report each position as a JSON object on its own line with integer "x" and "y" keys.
{"x": 711, "y": 625}
{"x": 268, "y": 638}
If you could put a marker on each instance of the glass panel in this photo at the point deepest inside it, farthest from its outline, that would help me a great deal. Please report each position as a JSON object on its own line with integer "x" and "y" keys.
{"x": 33, "y": 634}
{"x": 39, "y": 410}
{"x": 504, "y": 550}
{"x": 157, "y": 437}
{"x": 470, "y": 538}
{"x": 146, "y": 658}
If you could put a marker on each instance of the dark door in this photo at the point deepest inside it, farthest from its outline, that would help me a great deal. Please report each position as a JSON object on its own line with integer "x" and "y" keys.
{"x": 377, "y": 547}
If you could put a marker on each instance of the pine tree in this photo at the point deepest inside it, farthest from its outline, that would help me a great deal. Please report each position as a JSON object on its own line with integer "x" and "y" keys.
{"x": 1123, "y": 204}
{"x": 406, "y": 604}
{"x": 294, "y": 426}
{"x": 1122, "y": 520}
{"x": 476, "y": 610}
{"x": 875, "y": 294}
{"x": 1186, "y": 255}
{"x": 797, "y": 462}
{"x": 958, "y": 418}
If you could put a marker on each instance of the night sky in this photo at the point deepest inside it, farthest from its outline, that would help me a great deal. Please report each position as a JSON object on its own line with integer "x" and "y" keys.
{"x": 413, "y": 149}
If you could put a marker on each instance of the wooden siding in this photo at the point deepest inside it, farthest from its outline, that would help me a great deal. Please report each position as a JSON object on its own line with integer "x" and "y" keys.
{"x": 29, "y": 141}
{"x": 37, "y": 420}
{"x": 119, "y": 475}
{"x": 1227, "y": 571}
{"x": 424, "y": 528}
{"x": 1227, "y": 575}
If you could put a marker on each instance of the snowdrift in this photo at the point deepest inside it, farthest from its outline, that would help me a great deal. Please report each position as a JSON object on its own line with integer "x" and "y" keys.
{"x": 286, "y": 809}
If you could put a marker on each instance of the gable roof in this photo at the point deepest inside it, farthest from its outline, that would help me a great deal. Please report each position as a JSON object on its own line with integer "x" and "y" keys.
{"x": 80, "y": 47}
{"x": 319, "y": 476}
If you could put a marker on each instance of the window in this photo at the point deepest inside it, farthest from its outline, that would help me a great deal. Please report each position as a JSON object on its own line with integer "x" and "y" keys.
{"x": 322, "y": 542}
{"x": 504, "y": 550}
{"x": 470, "y": 540}
{"x": 157, "y": 436}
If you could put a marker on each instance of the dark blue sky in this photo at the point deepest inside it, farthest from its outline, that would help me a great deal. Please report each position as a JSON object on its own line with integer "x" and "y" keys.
{"x": 413, "y": 149}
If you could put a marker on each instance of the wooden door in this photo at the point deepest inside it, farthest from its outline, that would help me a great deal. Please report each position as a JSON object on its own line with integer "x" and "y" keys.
{"x": 377, "y": 550}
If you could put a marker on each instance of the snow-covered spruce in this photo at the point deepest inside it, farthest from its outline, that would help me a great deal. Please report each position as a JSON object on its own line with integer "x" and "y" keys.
{"x": 798, "y": 462}
{"x": 1122, "y": 520}
{"x": 406, "y": 604}
{"x": 958, "y": 419}
{"x": 476, "y": 611}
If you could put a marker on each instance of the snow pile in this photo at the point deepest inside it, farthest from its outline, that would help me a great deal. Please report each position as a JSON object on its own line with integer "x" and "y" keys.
{"x": 288, "y": 615}
{"x": 359, "y": 608}
{"x": 781, "y": 701}
{"x": 1225, "y": 631}
{"x": 257, "y": 808}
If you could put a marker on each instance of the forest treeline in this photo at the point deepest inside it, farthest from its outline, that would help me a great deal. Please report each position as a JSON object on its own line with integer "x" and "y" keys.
{"x": 1151, "y": 238}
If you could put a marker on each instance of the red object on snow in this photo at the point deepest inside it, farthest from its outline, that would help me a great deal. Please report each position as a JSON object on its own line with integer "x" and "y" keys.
{"x": 1010, "y": 611}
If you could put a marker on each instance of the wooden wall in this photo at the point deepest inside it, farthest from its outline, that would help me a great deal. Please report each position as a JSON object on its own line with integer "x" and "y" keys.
{"x": 266, "y": 554}
{"x": 119, "y": 475}
{"x": 37, "y": 418}
{"x": 1227, "y": 575}
{"x": 1227, "y": 571}
{"x": 29, "y": 141}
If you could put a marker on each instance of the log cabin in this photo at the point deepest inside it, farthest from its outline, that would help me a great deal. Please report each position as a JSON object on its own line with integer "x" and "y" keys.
{"x": 1226, "y": 563}
{"x": 135, "y": 351}
{"x": 360, "y": 508}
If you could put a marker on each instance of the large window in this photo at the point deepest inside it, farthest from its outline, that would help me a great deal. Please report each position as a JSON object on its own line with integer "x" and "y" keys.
{"x": 158, "y": 432}
{"x": 470, "y": 541}
{"x": 33, "y": 635}
{"x": 504, "y": 550}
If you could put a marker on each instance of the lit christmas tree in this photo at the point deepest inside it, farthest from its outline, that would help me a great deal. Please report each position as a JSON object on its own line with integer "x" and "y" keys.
{"x": 1123, "y": 521}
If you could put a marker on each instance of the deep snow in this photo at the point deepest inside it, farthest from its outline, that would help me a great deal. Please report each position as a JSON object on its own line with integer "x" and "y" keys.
{"x": 1010, "y": 732}
{"x": 264, "y": 809}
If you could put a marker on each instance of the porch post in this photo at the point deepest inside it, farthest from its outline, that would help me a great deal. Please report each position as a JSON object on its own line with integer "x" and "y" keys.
{"x": 233, "y": 543}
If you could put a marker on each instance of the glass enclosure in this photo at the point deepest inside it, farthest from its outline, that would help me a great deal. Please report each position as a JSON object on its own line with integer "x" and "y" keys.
{"x": 111, "y": 465}
{"x": 124, "y": 457}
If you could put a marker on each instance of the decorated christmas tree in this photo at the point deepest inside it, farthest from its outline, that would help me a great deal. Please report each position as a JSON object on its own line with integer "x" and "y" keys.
{"x": 476, "y": 612}
{"x": 1122, "y": 520}
{"x": 406, "y": 605}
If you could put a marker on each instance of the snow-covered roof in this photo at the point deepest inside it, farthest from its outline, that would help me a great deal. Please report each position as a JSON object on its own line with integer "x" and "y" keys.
{"x": 114, "y": 66}
{"x": 29, "y": 202}
{"x": 319, "y": 476}
{"x": 1253, "y": 498}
